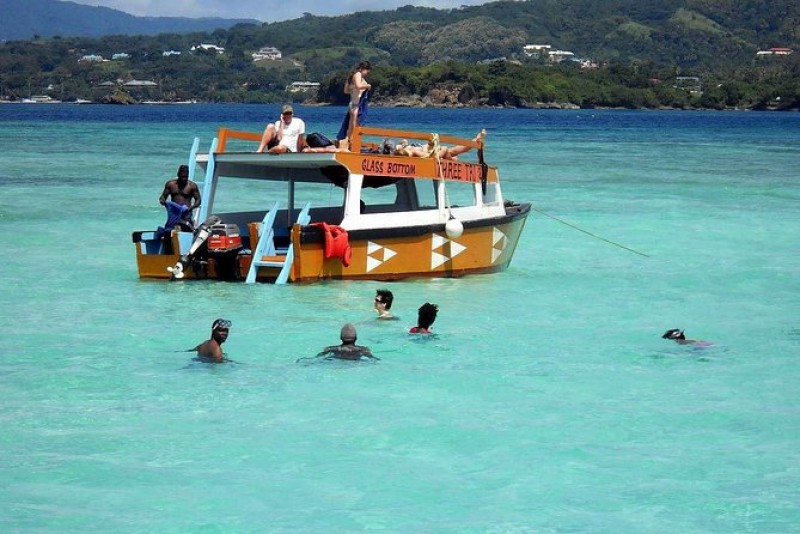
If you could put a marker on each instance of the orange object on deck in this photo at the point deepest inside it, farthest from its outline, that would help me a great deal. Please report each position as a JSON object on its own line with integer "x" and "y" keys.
{"x": 337, "y": 242}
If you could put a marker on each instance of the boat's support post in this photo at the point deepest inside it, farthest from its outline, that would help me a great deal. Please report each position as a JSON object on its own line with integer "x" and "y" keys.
{"x": 265, "y": 247}
{"x": 193, "y": 158}
{"x": 303, "y": 218}
{"x": 205, "y": 194}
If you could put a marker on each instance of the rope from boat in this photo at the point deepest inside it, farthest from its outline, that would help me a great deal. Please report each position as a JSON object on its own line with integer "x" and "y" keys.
{"x": 534, "y": 208}
{"x": 434, "y": 143}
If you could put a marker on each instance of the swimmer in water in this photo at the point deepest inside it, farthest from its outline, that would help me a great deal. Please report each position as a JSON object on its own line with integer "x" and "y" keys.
{"x": 348, "y": 350}
{"x": 425, "y": 318}
{"x": 211, "y": 349}
{"x": 383, "y": 303}
{"x": 677, "y": 335}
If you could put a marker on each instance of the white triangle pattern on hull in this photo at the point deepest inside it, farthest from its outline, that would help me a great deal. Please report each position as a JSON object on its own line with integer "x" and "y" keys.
{"x": 377, "y": 255}
{"x": 439, "y": 242}
{"x": 499, "y": 242}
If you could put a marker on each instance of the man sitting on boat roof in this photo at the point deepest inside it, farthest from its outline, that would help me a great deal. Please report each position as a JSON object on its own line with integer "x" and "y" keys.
{"x": 285, "y": 135}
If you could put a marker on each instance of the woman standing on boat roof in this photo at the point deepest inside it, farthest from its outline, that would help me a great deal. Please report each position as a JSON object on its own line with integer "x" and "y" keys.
{"x": 356, "y": 86}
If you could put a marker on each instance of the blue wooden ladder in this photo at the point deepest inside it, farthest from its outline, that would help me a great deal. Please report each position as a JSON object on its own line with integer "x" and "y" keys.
{"x": 303, "y": 218}
{"x": 265, "y": 247}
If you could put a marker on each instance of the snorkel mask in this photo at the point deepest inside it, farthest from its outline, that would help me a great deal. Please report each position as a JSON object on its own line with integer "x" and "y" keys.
{"x": 675, "y": 333}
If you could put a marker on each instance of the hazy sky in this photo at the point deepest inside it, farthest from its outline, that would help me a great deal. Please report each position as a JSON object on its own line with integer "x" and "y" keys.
{"x": 264, "y": 10}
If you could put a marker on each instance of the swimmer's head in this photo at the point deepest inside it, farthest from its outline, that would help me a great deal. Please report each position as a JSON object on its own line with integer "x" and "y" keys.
{"x": 675, "y": 333}
{"x": 220, "y": 330}
{"x": 348, "y": 334}
{"x": 427, "y": 315}
{"x": 183, "y": 171}
{"x": 385, "y": 297}
{"x": 221, "y": 324}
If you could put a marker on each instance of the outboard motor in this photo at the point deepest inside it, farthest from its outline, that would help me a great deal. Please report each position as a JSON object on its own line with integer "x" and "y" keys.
{"x": 200, "y": 237}
{"x": 224, "y": 245}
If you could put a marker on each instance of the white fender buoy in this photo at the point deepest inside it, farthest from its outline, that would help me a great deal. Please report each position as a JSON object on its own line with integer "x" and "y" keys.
{"x": 454, "y": 228}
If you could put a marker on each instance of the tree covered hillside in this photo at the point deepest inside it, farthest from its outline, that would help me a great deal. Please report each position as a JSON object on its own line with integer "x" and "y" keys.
{"x": 27, "y": 19}
{"x": 633, "y": 52}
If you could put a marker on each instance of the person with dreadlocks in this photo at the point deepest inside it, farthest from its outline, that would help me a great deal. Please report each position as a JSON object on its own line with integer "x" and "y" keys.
{"x": 425, "y": 317}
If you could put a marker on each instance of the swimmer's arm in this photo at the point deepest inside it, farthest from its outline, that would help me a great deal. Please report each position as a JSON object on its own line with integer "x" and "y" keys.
{"x": 327, "y": 351}
{"x": 207, "y": 349}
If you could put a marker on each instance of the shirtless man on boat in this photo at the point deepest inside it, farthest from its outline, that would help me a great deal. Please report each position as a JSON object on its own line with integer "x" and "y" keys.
{"x": 183, "y": 192}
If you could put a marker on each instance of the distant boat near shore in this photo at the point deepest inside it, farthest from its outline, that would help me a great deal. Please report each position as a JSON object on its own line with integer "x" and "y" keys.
{"x": 40, "y": 99}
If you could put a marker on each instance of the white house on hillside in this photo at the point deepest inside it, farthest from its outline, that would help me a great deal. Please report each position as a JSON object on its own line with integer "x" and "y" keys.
{"x": 774, "y": 52}
{"x": 206, "y": 46}
{"x": 536, "y": 50}
{"x": 267, "y": 52}
{"x": 557, "y": 56}
{"x": 140, "y": 83}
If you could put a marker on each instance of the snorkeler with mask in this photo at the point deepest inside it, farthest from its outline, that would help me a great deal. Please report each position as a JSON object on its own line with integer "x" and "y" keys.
{"x": 677, "y": 335}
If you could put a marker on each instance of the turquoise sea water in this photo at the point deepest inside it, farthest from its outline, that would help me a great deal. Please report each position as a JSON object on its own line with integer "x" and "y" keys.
{"x": 547, "y": 401}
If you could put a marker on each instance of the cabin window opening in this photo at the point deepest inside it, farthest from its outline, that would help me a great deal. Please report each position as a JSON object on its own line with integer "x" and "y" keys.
{"x": 381, "y": 199}
{"x": 426, "y": 194}
{"x": 460, "y": 193}
{"x": 326, "y": 202}
{"x": 491, "y": 196}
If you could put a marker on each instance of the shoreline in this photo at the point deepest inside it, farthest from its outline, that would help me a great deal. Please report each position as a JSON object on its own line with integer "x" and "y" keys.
{"x": 404, "y": 103}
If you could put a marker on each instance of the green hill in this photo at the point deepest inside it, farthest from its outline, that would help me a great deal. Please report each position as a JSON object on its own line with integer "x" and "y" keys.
{"x": 472, "y": 55}
{"x": 26, "y": 19}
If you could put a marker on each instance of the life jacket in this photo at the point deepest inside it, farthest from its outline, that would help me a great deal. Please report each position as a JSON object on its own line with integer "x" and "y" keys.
{"x": 337, "y": 243}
